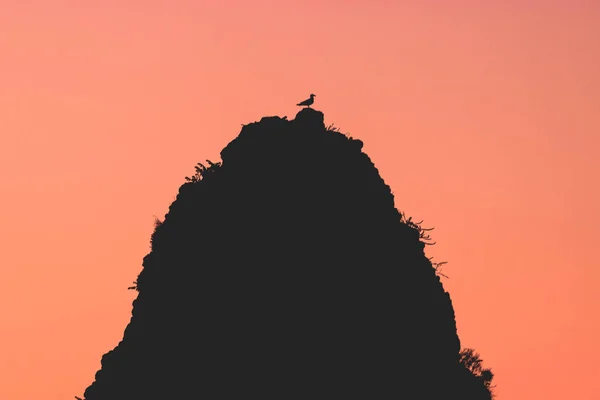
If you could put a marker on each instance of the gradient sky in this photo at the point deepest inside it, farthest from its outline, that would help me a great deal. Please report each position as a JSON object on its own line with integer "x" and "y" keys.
{"x": 482, "y": 116}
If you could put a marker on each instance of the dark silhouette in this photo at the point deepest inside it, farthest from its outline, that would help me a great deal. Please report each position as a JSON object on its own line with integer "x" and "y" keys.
{"x": 286, "y": 272}
{"x": 308, "y": 102}
{"x": 473, "y": 362}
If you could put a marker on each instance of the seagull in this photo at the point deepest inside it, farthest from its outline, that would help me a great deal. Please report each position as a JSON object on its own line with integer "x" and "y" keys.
{"x": 307, "y": 102}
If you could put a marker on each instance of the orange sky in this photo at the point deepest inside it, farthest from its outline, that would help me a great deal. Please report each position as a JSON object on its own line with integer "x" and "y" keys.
{"x": 483, "y": 117}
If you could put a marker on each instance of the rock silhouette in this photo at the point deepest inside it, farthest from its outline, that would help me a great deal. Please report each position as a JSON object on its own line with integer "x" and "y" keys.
{"x": 287, "y": 272}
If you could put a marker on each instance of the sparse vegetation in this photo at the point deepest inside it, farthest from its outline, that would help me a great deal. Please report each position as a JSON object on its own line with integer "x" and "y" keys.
{"x": 425, "y": 237}
{"x": 437, "y": 266}
{"x": 157, "y": 224}
{"x": 202, "y": 171}
{"x": 473, "y": 362}
{"x": 332, "y": 128}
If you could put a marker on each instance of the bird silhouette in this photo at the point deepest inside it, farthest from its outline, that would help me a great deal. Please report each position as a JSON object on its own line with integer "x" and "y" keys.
{"x": 307, "y": 102}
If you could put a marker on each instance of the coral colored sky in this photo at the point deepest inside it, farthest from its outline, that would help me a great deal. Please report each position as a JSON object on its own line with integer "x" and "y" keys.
{"x": 483, "y": 117}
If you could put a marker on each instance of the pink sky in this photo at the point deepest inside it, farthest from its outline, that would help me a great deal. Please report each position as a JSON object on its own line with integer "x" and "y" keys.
{"x": 482, "y": 117}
